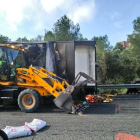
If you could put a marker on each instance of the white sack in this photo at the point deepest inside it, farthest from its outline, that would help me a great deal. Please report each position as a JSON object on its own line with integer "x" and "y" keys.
{"x": 36, "y": 125}
{"x": 13, "y": 132}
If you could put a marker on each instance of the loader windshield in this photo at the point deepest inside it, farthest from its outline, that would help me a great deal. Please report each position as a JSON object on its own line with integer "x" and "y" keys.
{"x": 16, "y": 60}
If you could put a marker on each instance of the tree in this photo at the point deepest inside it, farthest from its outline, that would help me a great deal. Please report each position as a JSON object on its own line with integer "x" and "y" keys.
{"x": 103, "y": 48}
{"x": 24, "y": 39}
{"x": 63, "y": 30}
{"x": 134, "y": 38}
{"x": 81, "y": 38}
{"x": 19, "y": 39}
{"x": 49, "y": 36}
{"x": 119, "y": 46}
{"x": 32, "y": 40}
{"x": 102, "y": 43}
{"x": 136, "y": 25}
{"x": 113, "y": 67}
{"x": 4, "y": 39}
{"x": 39, "y": 38}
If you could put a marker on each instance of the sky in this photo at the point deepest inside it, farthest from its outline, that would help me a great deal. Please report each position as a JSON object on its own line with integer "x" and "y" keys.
{"x": 19, "y": 18}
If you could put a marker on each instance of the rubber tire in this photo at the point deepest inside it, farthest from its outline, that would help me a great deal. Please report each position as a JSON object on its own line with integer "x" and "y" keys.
{"x": 36, "y": 97}
{"x": 3, "y": 135}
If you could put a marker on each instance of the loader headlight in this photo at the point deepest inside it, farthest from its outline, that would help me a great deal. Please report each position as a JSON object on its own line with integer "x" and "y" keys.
{"x": 12, "y": 63}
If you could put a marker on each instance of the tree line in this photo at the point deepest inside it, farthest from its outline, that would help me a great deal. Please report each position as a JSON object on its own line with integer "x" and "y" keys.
{"x": 116, "y": 65}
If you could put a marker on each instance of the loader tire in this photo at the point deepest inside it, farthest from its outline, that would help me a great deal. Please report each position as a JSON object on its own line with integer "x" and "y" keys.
{"x": 29, "y": 100}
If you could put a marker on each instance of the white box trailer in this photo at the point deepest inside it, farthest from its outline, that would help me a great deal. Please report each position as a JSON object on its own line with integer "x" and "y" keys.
{"x": 68, "y": 58}
{"x": 85, "y": 60}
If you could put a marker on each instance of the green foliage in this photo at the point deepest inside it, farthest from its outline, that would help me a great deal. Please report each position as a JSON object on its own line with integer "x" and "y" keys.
{"x": 134, "y": 38}
{"x": 63, "y": 30}
{"x": 114, "y": 91}
{"x": 119, "y": 65}
{"x": 102, "y": 43}
{"x": 122, "y": 91}
{"x": 49, "y": 36}
{"x": 4, "y": 39}
{"x": 24, "y": 39}
{"x": 103, "y": 55}
{"x": 81, "y": 38}
{"x": 115, "y": 66}
{"x": 39, "y": 38}
{"x": 136, "y": 25}
{"x": 118, "y": 46}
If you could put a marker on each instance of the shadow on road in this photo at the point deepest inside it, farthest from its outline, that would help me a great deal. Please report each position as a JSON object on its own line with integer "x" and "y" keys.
{"x": 102, "y": 108}
{"x": 95, "y": 108}
{"x": 44, "y": 129}
{"x": 42, "y": 109}
{"x": 6, "y": 108}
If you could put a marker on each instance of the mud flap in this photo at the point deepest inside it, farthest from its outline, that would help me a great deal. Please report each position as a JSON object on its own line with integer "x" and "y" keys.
{"x": 64, "y": 101}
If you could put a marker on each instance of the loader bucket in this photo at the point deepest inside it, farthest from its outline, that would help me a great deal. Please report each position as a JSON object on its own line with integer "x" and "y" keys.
{"x": 64, "y": 101}
{"x": 73, "y": 92}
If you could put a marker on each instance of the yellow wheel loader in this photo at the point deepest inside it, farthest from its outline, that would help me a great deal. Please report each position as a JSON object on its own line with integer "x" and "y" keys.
{"x": 27, "y": 85}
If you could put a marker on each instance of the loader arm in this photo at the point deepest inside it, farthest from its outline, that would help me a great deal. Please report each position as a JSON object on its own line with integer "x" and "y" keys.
{"x": 54, "y": 75}
{"x": 40, "y": 81}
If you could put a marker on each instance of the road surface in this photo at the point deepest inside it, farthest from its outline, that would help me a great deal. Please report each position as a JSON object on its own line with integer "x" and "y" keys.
{"x": 101, "y": 121}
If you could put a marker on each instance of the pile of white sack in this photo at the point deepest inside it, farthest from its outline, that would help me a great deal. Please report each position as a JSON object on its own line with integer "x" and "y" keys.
{"x": 26, "y": 130}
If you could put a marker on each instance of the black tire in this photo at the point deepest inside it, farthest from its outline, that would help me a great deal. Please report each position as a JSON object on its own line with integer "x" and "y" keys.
{"x": 29, "y": 100}
{"x": 3, "y": 135}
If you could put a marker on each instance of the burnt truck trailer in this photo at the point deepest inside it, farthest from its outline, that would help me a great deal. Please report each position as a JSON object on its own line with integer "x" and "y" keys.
{"x": 65, "y": 58}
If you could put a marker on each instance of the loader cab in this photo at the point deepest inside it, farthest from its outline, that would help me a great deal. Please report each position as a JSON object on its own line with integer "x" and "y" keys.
{"x": 11, "y": 57}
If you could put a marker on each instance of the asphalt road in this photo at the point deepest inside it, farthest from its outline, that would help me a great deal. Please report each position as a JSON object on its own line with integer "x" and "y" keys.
{"x": 101, "y": 121}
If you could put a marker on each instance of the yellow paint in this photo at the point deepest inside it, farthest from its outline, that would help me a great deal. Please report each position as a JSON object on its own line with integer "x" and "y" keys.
{"x": 7, "y": 83}
{"x": 33, "y": 78}
{"x": 12, "y": 46}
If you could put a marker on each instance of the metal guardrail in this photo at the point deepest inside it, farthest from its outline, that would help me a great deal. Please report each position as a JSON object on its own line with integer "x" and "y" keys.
{"x": 119, "y": 86}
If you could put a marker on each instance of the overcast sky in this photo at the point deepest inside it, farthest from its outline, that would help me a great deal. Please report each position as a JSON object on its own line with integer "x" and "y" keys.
{"x": 19, "y": 18}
